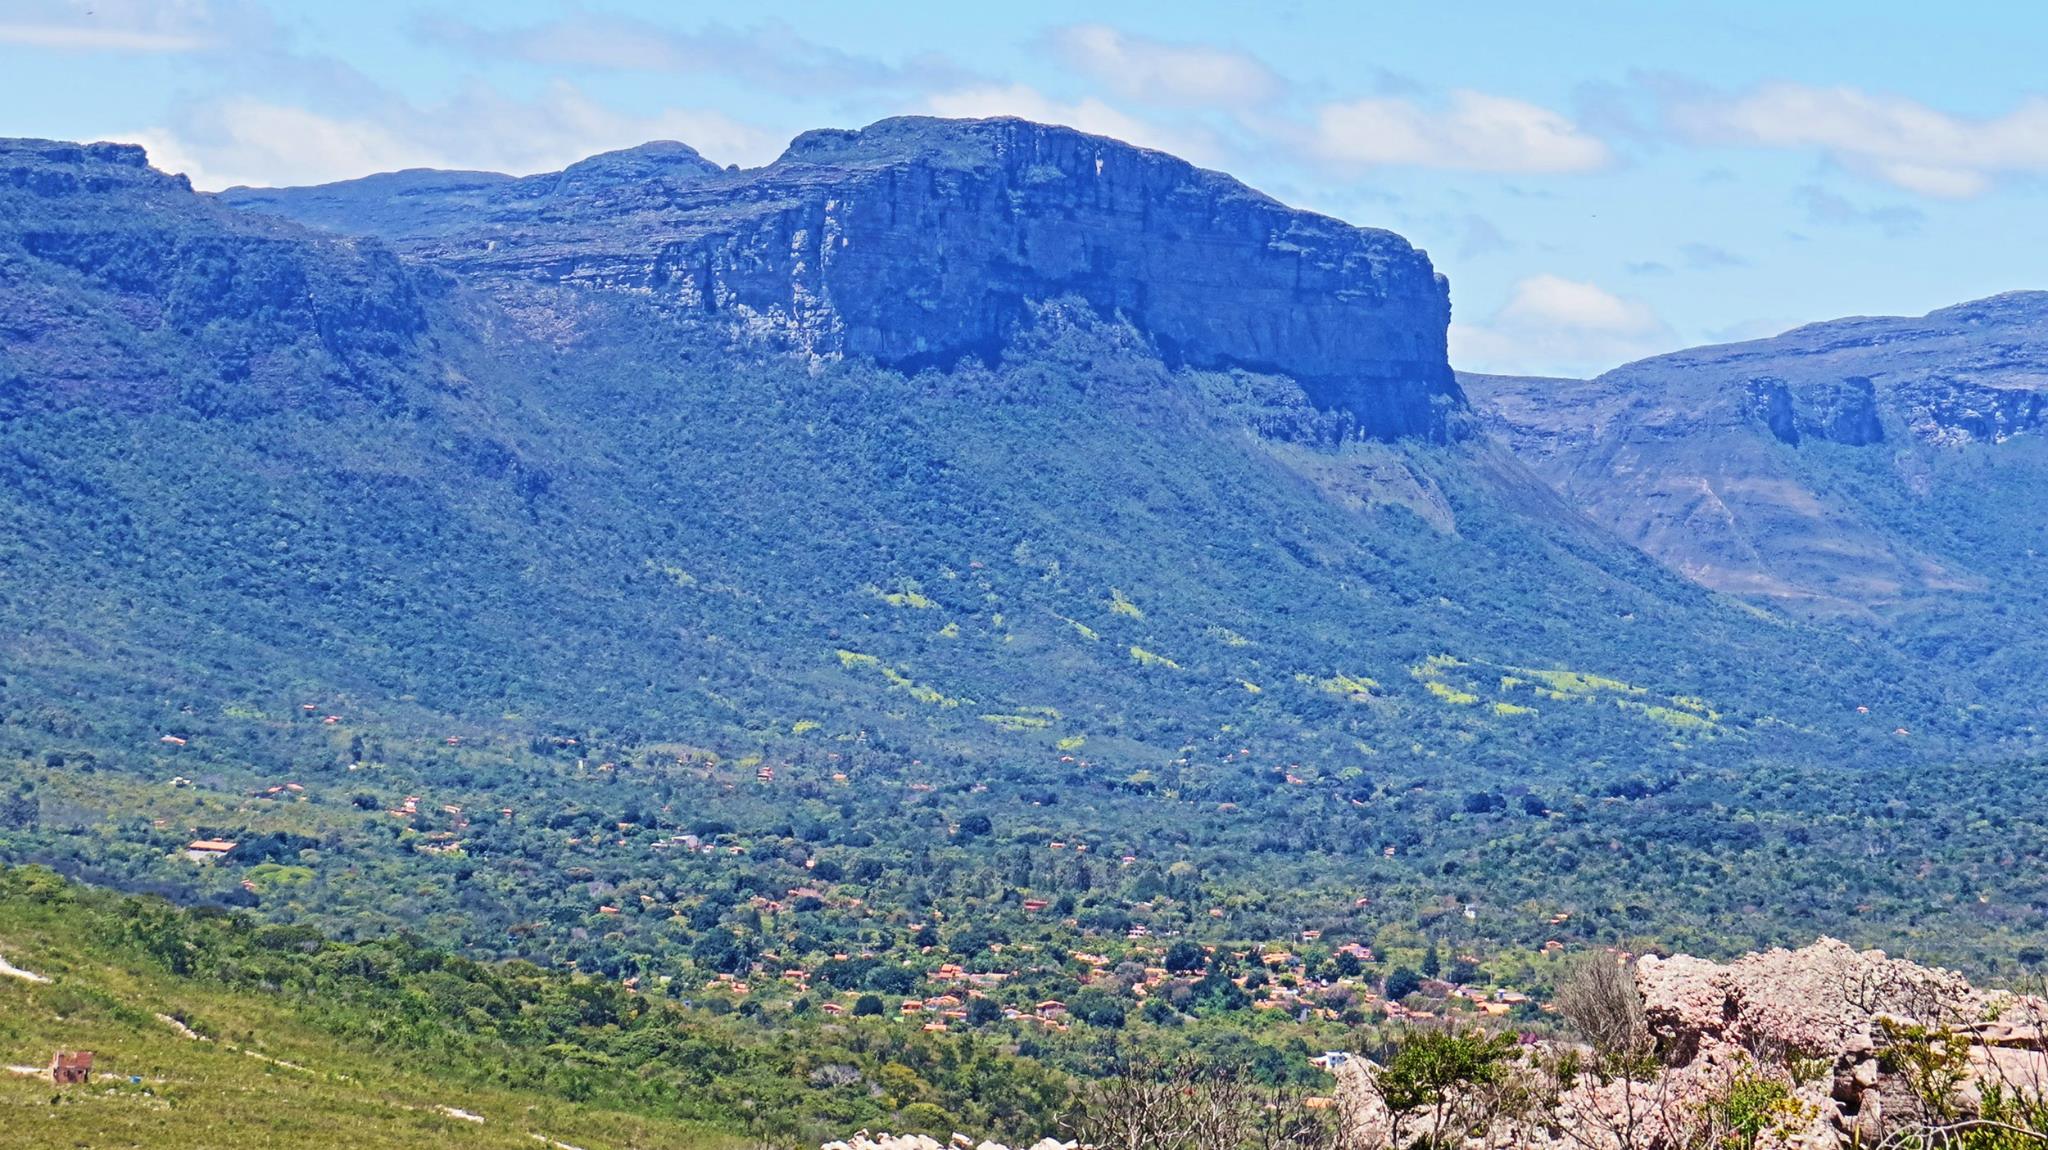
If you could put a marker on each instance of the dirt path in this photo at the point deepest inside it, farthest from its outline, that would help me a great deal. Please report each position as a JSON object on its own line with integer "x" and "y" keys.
{"x": 183, "y": 1030}
{"x": 10, "y": 970}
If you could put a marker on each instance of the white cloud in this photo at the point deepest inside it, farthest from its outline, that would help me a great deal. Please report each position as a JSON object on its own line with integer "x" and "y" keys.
{"x": 1155, "y": 71}
{"x": 248, "y": 141}
{"x": 1556, "y": 326}
{"x": 1556, "y": 301}
{"x": 1899, "y": 141}
{"x": 1089, "y": 115}
{"x": 1474, "y": 132}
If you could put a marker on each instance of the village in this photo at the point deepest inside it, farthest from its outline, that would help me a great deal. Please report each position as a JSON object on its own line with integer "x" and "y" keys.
{"x": 1051, "y": 968}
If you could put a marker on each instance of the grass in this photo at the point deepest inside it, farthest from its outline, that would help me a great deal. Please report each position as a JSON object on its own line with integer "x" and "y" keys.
{"x": 257, "y": 1076}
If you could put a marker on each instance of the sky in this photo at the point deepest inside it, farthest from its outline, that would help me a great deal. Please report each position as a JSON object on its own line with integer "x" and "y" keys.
{"x": 1600, "y": 181}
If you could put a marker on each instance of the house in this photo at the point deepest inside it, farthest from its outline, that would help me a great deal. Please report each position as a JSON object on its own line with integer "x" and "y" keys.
{"x": 207, "y": 850}
{"x": 172, "y": 740}
{"x": 1051, "y": 1008}
{"x": 1034, "y": 905}
{"x": 71, "y": 1067}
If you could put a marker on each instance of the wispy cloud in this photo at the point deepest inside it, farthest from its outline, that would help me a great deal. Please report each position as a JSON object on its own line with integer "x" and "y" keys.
{"x": 771, "y": 54}
{"x": 1157, "y": 71}
{"x": 1891, "y": 138}
{"x": 131, "y": 27}
{"x": 1706, "y": 257}
{"x": 1826, "y": 207}
{"x": 250, "y": 141}
{"x": 1471, "y": 131}
{"x": 1556, "y": 326}
{"x": 83, "y": 38}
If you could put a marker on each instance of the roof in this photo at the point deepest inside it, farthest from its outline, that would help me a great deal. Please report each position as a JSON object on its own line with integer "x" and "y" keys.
{"x": 211, "y": 846}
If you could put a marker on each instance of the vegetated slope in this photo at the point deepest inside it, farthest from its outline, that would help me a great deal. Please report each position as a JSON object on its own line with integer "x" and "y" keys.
{"x": 245, "y": 461}
{"x": 1880, "y": 469}
{"x": 204, "y": 1033}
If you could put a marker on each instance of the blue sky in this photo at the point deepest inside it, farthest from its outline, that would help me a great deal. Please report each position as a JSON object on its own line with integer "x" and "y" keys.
{"x": 1599, "y": 180}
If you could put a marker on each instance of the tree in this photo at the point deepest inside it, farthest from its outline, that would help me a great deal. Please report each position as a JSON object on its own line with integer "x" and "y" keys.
{"x": 1184, "y": 957}
{"x": 1097, "y": 1008}
{"x": 891, "y": 978}
{"x": 867, "y": 1006}
{"x": 982, "y": 1011}
{"x": 1447, "y": 1076}
{"x": 1402, "y": 982}
{"x": 1433, "y": 961}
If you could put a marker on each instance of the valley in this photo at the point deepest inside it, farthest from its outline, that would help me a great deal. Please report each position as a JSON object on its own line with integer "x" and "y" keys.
{"x": 961, "y": 609}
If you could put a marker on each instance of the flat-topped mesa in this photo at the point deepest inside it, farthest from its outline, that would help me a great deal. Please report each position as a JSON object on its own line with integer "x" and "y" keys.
{"x": 939, "y": 232}
{"x": 917, "y": 242}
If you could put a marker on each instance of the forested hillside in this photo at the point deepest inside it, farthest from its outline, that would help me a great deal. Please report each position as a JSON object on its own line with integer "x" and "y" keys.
{"x": 532, "y": 587}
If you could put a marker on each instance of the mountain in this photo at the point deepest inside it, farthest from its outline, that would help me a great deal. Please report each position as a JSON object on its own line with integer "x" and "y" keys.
{"x": 939, "y": 498}
{"x": 918, "y": 242}
{"x": 1878, "y": 469}
{"x": 615, "y": 444}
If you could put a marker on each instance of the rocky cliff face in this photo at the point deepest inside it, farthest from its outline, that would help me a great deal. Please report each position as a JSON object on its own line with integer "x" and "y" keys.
{"x": 917, "y": 242}
{"x": 248, "y": 312}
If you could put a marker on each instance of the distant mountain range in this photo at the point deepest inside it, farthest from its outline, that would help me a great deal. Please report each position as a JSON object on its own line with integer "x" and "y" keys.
{"x": 976, "y": 439}
{"x": 1880, "y": 472}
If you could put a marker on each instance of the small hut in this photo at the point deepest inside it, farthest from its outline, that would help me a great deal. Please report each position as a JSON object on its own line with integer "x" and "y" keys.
{"x": 71, "y": 1067}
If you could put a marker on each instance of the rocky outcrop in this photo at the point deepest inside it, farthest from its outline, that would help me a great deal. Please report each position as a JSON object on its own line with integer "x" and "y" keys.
{"x": 1822, "y": 1048}
{"x": 918, "y": 242}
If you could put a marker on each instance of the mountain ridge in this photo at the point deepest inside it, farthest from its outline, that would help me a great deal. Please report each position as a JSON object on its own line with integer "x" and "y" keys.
{"x": 916, "y": 241}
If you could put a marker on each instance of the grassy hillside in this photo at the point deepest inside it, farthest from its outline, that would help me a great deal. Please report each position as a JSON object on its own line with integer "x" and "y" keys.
{"x": 185, "y": 1063}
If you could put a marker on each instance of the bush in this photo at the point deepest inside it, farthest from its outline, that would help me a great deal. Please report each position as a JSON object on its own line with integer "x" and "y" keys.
{"x": 1599, "y": 999}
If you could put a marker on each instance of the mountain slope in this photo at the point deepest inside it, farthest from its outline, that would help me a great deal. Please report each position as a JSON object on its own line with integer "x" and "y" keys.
{"x": 1879, "y": 469}
{"x": 516, "y": 498}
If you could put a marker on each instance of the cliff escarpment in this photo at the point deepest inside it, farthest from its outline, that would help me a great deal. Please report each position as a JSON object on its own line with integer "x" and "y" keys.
{"x": 918, "y": 242}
